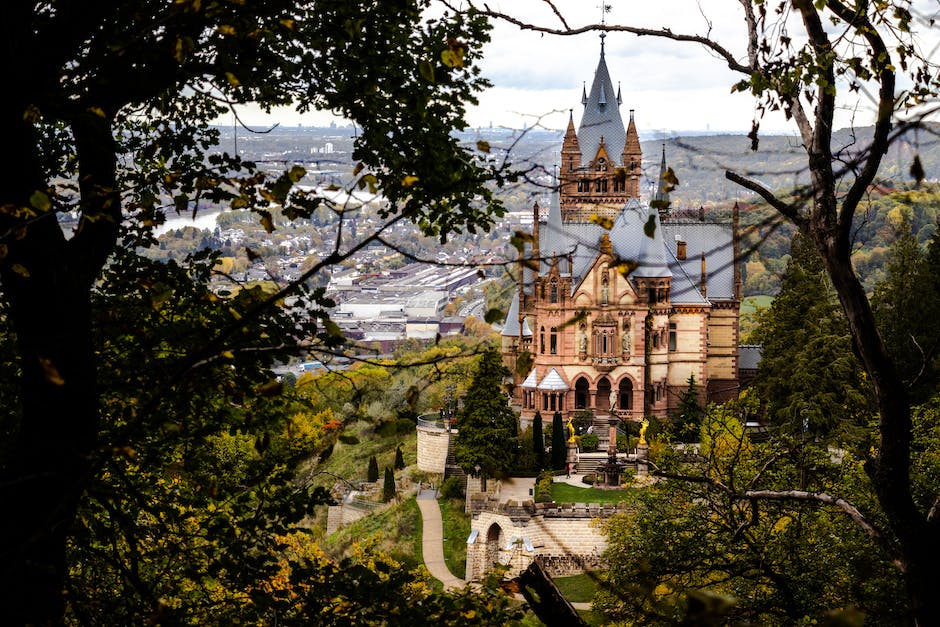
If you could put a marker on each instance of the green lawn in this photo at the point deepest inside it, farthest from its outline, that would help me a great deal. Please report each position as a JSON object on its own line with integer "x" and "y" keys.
{"x": 578, "y": 588}
{"x": 456, "y": 531}
{"x": 565, "y": 493}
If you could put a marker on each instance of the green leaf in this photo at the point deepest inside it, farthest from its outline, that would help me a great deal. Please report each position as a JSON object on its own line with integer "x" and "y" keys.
{"x": 426, "y": 70}
{"x": 650, "y": 227}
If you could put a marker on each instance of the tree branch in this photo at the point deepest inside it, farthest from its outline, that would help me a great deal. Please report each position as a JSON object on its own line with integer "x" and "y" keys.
{"x": 791, "y": 212}
{"x": 848, "y": 508}
{"x": 665, "y": 33}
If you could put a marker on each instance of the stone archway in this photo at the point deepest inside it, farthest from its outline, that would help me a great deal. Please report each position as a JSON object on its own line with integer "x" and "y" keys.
{"x": 625, "y": 396}
{"x": 494, "y": 538}
{"x": 602, "y": 398}
{"x": 581, "y": 391}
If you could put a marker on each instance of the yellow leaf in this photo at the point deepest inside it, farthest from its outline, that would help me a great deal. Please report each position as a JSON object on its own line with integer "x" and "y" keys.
{"x": 226, "y": 29}
{"x": 21, "y": 270}
{"x": 288, "y": 24}
{"x": 96, "y": 111}
{"x": 483, "y": 146}
{"x": 452, "y": 57}
{"x": 227, "y": 355}
{"x": 40, "y": 200}
{"x": 51, "y": 372}
{"x": 409, "y": 180}
{"x": 232, "y": 79}
{"x": 602, "y": 221}
{"x": 31, "y": 114}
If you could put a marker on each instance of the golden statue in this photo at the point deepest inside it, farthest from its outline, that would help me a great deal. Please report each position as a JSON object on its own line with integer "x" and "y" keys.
{"x": 570, "y": 432}
{"x": 643, "y": 426}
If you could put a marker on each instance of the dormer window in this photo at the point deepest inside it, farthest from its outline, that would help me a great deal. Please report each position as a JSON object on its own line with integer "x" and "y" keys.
{"x": 602, "y": 165}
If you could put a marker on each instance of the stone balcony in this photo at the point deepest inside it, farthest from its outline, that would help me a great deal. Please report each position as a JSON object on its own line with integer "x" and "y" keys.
{"x": 606, "y": 363}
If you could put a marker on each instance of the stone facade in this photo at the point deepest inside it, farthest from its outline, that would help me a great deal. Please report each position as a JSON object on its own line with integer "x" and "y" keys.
{"x": 565, "y": 539}
{"x": 621, "y": 302}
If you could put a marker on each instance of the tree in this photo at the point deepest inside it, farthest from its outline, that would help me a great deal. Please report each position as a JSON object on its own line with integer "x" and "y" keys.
{"x": 388, "y": 485}
{"x": 689, "y": 413}
{"x": 488, "y": 427}
{"x": 559, "y": 443}
{"x": 802, "y": 58}
{"x": 111, "y": 118}
{"x": 399, "y": 459}
{"x": 809, "y": 376}
{"x": 904, "y": 304}
{"x": 538, "y": 441}
{"x": 373, "y": 473}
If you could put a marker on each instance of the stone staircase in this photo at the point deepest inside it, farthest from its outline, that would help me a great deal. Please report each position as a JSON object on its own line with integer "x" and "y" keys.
{"x": 451, "y": 469}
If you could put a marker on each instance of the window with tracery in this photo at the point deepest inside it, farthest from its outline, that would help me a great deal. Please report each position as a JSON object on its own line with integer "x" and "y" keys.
{"x": 553, "y": 341}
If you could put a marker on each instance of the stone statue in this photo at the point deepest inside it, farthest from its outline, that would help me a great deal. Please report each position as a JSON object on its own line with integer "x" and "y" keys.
{"x": 582, "y": 342}
{"x": 612, "y": 399}
{"x": 605, "y": 292}
{"x": 643, "y": 427}
{"x": 625, "y": 342}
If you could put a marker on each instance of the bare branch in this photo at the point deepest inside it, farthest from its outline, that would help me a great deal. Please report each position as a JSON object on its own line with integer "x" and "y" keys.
{"x": 789, "y": 211}
{"x": 665, "y": 33}
{"x": 822, "y": 497}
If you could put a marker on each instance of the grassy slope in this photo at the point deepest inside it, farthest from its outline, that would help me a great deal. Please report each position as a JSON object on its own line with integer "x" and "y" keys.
{"x": 456, "y": 531}
{"x": 395, "y": 531}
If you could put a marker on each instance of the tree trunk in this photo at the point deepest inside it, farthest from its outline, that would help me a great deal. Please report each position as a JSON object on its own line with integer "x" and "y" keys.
{"x": 918, "y": 539}
{"x": 46, "y": 282}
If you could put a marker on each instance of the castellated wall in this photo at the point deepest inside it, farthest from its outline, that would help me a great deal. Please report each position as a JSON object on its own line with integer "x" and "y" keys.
{"x": 432, "y": 448}
{"x": 565, "y": 538}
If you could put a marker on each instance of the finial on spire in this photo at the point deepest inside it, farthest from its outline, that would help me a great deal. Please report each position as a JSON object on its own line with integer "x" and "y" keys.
{"x": 619, "y": 99}
{"x": 583, "y": 93}
{"x": 603, "y": 35}
{"x": 631, "y": 115}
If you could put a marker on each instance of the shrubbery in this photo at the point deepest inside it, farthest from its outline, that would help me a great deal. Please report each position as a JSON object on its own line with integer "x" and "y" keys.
{"x": 543, "y": 488}
{"x": 589, "y": 443}
{"x": 452, "y": 488}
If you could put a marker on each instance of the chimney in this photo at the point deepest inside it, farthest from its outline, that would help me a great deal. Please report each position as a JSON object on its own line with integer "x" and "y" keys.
{"x": 680, "y": 248}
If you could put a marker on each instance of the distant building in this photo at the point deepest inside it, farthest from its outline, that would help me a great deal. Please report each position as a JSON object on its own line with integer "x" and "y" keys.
{"x": 620, "y": 304}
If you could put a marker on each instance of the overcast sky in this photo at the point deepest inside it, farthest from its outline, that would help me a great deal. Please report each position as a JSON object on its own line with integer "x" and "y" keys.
{"x": 673, "y": 86}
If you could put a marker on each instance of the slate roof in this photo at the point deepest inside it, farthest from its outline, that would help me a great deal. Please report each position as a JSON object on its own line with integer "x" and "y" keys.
{"x": 530, "y": 381}
{"x": 553, "y": 381}
{"x": 749, "y": 356}
{"x": 601, "y": 118}
{"x": 511, "y": 324}
{"x": 716, "y": 240}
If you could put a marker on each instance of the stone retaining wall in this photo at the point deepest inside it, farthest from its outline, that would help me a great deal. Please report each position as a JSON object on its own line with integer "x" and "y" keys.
{"x": 566, "y": 539}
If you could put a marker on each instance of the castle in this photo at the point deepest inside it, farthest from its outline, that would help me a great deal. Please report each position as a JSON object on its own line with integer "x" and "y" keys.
{"x": 621, "y": 303}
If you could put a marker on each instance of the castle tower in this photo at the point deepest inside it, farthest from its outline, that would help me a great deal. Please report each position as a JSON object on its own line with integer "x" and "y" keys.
{"x": 601, "y": 162}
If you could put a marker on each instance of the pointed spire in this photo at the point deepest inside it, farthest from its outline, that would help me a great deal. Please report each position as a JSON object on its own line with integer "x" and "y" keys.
{"x": 661, "y": 197}
{"x": 601, "y": 115}
{"x": 583, "y": 93}
{"x": 619, "y": 97}
{"x": 570, "y": 143}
